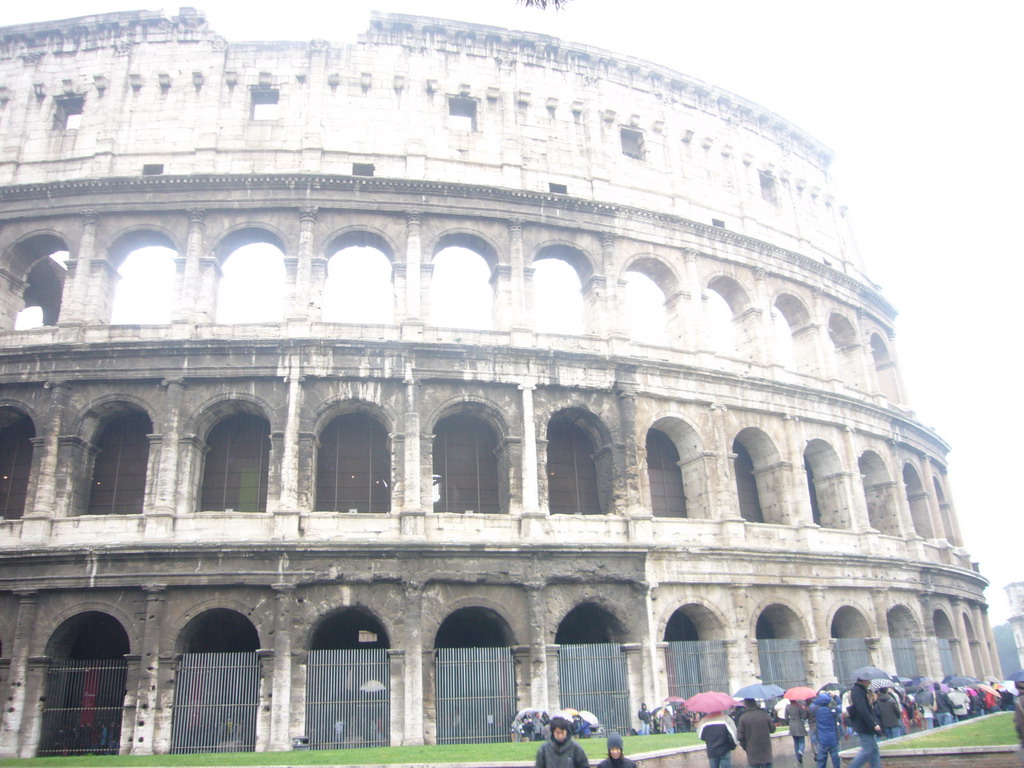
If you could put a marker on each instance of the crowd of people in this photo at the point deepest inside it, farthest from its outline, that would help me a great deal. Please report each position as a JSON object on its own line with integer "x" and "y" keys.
{"x": 871, "y": 711}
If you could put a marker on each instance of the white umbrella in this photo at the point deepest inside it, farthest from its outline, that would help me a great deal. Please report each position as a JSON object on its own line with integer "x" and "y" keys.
{"x": 372, "y": 686}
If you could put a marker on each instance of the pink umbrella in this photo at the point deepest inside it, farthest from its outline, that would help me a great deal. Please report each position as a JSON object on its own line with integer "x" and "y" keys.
{"x": 800, "y": 693}
{"x": 711, "y": 701}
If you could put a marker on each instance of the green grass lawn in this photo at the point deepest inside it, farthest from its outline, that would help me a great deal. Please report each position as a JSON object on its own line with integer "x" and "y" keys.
{"x": 462, "y": 753}
{"x": 991, "y": 731}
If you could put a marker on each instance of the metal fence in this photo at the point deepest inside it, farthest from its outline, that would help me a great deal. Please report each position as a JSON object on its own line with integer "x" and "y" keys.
{"x": 695, "y": 666}
{"x": 216, "y": 697}
{"x": 82, "y": 709}
{"x": 594, "y": 678}
{"x": 347, "y": 698}
{"x": 903, "y": 653}
{"x": 946, "y": 659}
{"x": 848, "y": 654}
{"x": 782, "y": 663}
{"x": 475, "y": 694}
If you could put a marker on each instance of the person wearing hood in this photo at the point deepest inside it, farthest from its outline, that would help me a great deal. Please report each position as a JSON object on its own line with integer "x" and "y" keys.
{"x": 615, "y": 757}
{"x": 827, "y": 725}
{"x": 560, "y": 751}
{"x": 719, "y": 731}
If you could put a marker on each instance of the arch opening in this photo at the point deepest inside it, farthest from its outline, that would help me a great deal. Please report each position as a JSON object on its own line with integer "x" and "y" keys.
{"x": 237, "y": 465}
{"x": 118, "y": 485}
{"x": 354, "y": 466}
{"x": 16, "y": 435}
{"x": 359, "y": 287}
{"x": 465, "y": 466}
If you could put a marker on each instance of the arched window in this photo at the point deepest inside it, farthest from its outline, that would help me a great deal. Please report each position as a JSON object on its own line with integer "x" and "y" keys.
{"x": 646, "y": 316}
{"x": 15, "y": 465}
{"x": 557, "y": 298}
{"x": 917, "y": 498}
{"x": 353, "y": 466}
{"x": 45, "y": 287}
{"x": 746, "y": 484}
{"x": 146, "y": 287}
{"x": 885, "y": 369}
{"x": 465, "y": 466}
{"x": 460, "y": 290}
{"x": 572, "y": 472}
{"x": 666, "y": 479}
{"x": 119, "y": 470}
{"x": 252, "y": 286}
{"x": 720, "y": 329}
{"x": 359, "y": 287}
{"x": 235, "y": 473}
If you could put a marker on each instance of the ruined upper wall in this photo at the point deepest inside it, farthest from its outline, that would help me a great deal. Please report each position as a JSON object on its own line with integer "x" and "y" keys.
{"x": 415, "y": 98}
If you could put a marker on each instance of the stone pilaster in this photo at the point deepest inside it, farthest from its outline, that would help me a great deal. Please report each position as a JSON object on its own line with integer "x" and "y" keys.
{"x": 15, "y": 701}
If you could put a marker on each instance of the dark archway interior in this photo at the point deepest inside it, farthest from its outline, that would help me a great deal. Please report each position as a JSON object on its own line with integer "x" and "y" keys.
{"x": 89, "y": 636}
{"x": 681, "y": 629}
{"x": 352, "y": 628}
{"x": 587, "y": 624}
{"x": 765, "y": 629}
{"x": 473, "y": 628}
{"x": 221, "y": 631}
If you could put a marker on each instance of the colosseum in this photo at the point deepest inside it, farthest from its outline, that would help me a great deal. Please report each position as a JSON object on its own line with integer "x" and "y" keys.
{"x": 372, "y": 392}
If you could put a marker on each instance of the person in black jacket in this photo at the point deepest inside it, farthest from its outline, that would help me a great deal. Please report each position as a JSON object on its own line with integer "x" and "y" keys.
{"x": 560, "y": 751}
{"x": 615, "y": 757}
{"x": 719, "y": 731}
{"x": 862, "y": 719}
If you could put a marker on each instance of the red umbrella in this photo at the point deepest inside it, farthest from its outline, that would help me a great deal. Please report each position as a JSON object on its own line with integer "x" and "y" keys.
{"x": 674, "y": 699}
{"x": 712, "y": 701}
{"x": 800, "y": 693}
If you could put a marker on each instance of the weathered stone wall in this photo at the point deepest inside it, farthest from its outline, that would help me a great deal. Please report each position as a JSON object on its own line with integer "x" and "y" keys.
{"x": 884, "y": 552}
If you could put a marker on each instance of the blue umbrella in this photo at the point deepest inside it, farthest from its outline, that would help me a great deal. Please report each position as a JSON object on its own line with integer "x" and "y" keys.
{"x": 1017, "y": 677}
{"x": 759, "y": 691}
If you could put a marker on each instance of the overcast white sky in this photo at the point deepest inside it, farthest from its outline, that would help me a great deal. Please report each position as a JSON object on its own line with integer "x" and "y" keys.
{"x": 921, "y": 103}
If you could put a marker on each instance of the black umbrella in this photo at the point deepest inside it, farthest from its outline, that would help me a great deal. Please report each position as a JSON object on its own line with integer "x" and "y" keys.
{"x": 1017, "y": 677}
{"x": 869, "y": 673}
{"x": 960, "y": 681}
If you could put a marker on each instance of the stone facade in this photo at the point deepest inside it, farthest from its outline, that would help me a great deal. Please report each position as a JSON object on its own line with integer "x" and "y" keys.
{"x": 131, "y": 129}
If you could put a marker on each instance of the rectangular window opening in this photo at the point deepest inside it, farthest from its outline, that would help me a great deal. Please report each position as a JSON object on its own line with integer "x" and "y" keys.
{"x": 769, "y": 189}
{"x": 152, "y": 169}
{"x": 461, "y": 113}
{"x": 362, "y": 169}
{"x": 558, "y": 189}
{"x": 265, "y": 104}
{"x": 69, "y": 113}
{"x": 632, "y": 143}
{"x": 718, "y": 223}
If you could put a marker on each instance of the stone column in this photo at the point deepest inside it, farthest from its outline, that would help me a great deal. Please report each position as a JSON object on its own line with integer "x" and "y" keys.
{"x": 800, "y": 511}
{"x": 822, "y": 639}
{"x": 517, "y": 287}
{"x": 932, "y": 661}
{"x": 859, "y": 518}
{"x": 187, "y": 308}
{"x": 31, "y": 725}
{"x": 538, "y": 671}
{"x": 412, "y": 627}
{"x": 820, "y": 311}
{"x": 286, "y": 514}
{"x": 303, "y": 305}
{"x": 764, "y": 331}
{"x": 74, "y": 304}
{"x": 15, "y": 701}
{"x": 531, "y": 528}
{"x": 397, "y": 675}
{"x": 264, "y": 712}
{"x": 928, "y": 481}
{"x": 36, "y": 524}
{"x": 159, "y": 518}
{"x": 413, "y": 510}
{"x": 963, "y": 647}
{"x": 650, "y": 680}
{"x": 281, "y": 672}
{"x": 723, "y": 501}
{"x": 608, "y": 314}
{"x": 632, "y": 506}
{"x": 742, "y": 667}
{"x": 147, "y": 697}
{"x": 879, "y": 601}
{"x": 980, "y": 625}
{"x": 413, "y": 262}
{"x": 694, "y": 329}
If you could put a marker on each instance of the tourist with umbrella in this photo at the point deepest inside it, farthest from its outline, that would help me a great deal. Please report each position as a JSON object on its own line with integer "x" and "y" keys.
{"x": 716, "y": 729}
{"x": 862, "y": 719}
{"x": 796, "y": 716}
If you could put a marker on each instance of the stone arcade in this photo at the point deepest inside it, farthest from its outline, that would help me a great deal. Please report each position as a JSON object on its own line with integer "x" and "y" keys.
{"x": 224, "y": 535}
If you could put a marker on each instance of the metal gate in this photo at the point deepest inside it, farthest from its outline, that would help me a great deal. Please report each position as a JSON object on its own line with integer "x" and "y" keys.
{"x": 82, "y": 711}
{"x": 347, "y": 698}
{"x": 475, "y": 692}
{"x": 946, "y": 661}
{"x": 903, "y": 654}
{"x": 782, "y": 663}
{"x": 594, "y": 678}
{"x": 848, "y": 654}
{"x": 697, "y": 665}
{"x": 216, "y": 697}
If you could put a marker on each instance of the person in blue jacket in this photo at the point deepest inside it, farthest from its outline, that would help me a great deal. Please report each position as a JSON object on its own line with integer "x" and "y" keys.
{"x": 827, "y": 725}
